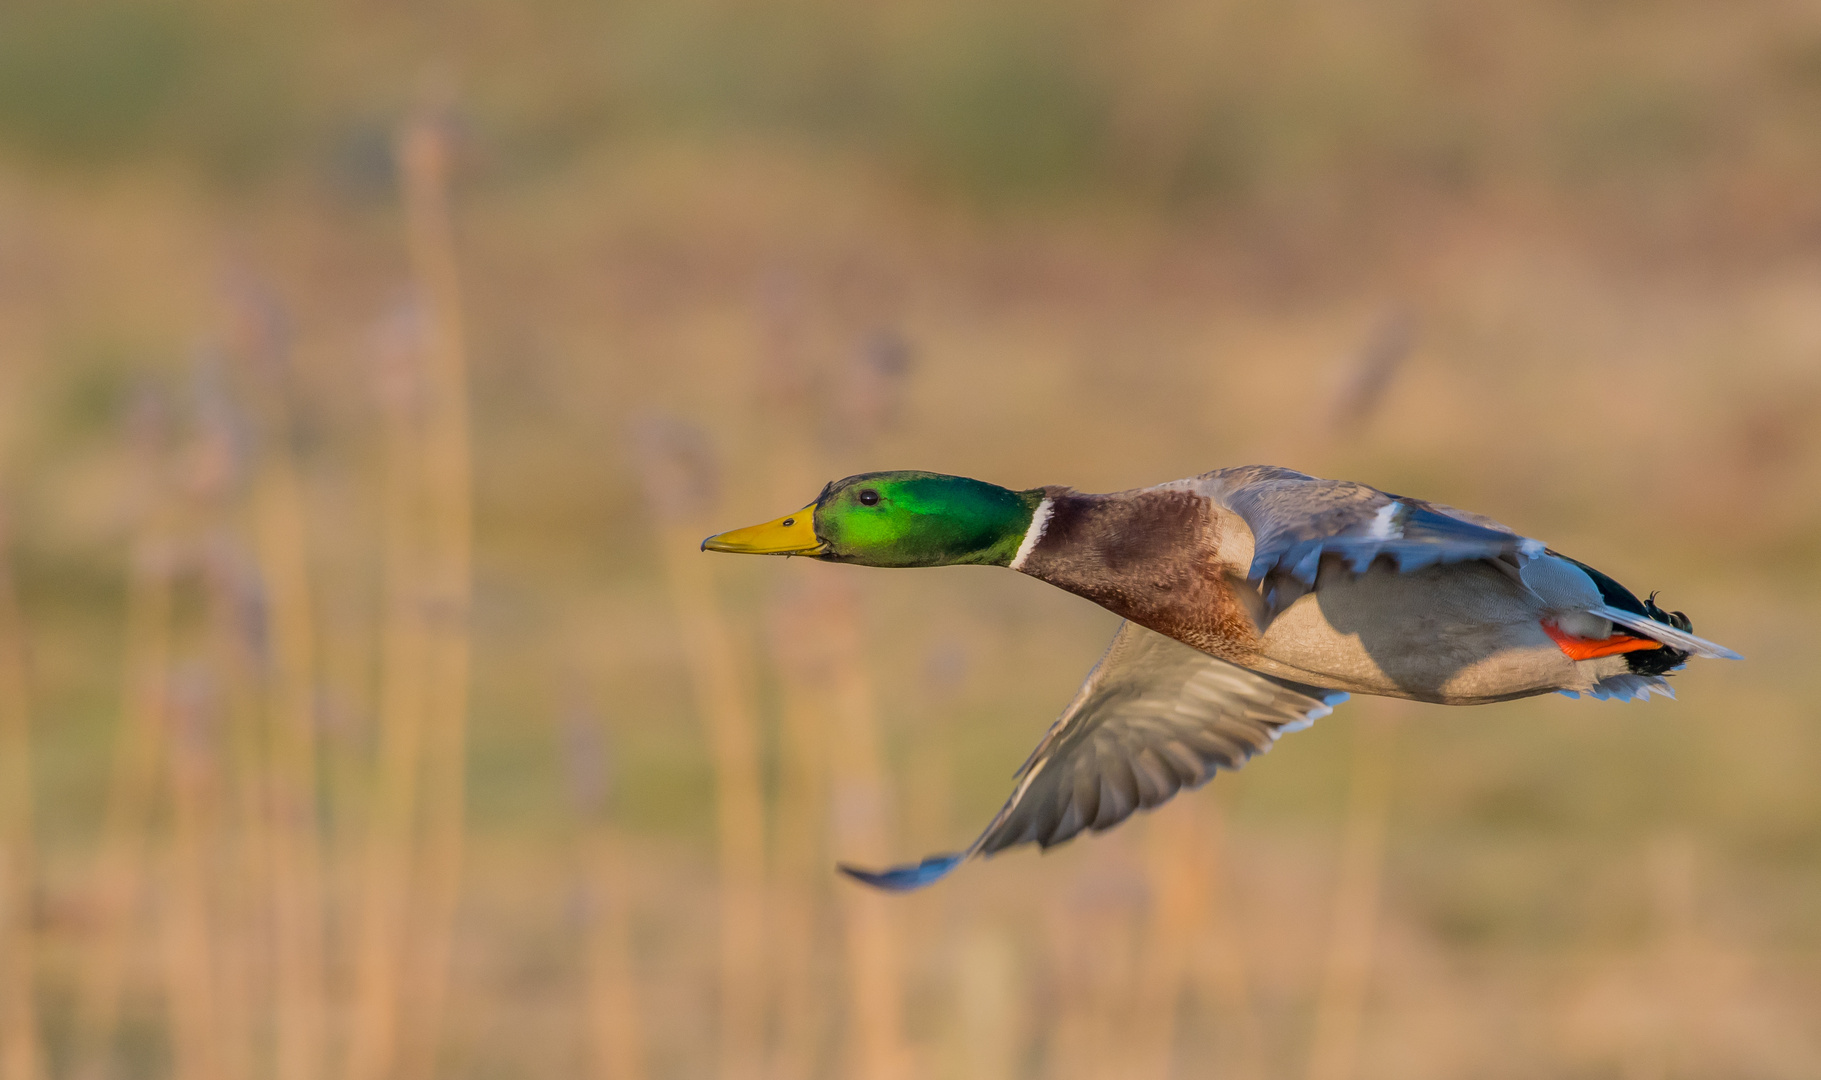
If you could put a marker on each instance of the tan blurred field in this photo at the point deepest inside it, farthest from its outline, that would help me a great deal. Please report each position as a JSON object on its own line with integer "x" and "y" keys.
{"x": 381, "y": 735}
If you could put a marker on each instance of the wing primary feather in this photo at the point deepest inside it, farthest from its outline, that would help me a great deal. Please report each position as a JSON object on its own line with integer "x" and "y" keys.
{"x": 1086, "y": 796}
{"x": 1153, "y": 778}
{"x": 1118, "y": 796}
{"x": 1187, "y": 764}
{"x": 1067, "y": 824}
{"x": 909, "y": 875}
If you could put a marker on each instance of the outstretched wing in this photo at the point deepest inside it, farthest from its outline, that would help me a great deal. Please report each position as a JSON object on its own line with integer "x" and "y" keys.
{"x": 1154, "y": 716}
{"x": 1297, "y": 519}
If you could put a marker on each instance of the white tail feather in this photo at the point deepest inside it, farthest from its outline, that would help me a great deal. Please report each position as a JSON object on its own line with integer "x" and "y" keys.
{"x": 1680, "y": 640}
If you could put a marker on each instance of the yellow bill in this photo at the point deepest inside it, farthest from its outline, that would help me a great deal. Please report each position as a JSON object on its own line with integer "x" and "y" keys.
{"x": 793, "y": 534}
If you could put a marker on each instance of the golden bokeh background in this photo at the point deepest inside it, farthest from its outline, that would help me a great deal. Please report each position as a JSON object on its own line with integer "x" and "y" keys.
{"x": 369, "y": 372}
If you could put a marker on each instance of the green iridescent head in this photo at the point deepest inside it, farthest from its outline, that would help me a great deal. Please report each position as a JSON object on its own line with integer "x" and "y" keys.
{"x": 897, "y": 519}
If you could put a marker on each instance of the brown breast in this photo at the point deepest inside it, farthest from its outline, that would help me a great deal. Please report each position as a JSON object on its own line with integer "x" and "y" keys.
{"x": 1149, "y": 556}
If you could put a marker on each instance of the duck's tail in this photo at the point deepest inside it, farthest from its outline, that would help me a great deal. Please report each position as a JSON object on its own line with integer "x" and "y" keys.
{"x": 1671, "y": 629}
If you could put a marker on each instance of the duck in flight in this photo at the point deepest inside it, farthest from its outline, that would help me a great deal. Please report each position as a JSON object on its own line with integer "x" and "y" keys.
{"x": 1255, "y": 600}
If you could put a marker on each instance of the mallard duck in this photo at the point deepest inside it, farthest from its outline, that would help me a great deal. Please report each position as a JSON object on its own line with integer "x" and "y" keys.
{"x": 1254, "y": 601}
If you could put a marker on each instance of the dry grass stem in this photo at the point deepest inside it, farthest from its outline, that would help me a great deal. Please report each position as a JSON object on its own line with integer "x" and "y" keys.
{"x": 385, "y": 877}
{"x": 862, "y": 832}
{"x": 989, "y": 1017}
{"x": 119, "y": 870}
{"x": 615, "y": 1017}
{"x": 1369, "y": 373}
{"x": 1340, "y": 1006}
{"x": 1093, "y": 946}
{"x": 1180, "y": 869}
{"x": 244, "y": 996}
{"x": 21, "y": 1045}
{"x": 424, "y": 153}
{"x": 1680, "y": 995}
{"x": 281, "y": 534}
{"x": 799, "y": 886}
{"x": 798, "y": 897}
{"x": 832, "y": 722}
{"x": 1219, "y": 961}
{"x": 189, "y": 932}
{"x": 722, "y": 683}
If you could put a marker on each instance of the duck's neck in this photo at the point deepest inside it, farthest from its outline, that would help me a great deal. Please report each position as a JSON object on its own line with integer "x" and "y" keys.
{"x": 1103, "y": 547}
{"x": 1035, "y": 528}
{"x": 980, "y": 524}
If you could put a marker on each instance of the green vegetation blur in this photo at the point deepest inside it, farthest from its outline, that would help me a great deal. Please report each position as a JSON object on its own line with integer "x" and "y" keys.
{"x": 1559, "y": 263}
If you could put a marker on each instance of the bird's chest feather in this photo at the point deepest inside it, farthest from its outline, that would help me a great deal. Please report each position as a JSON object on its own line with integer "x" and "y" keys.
{"x": 1153, "y": 557}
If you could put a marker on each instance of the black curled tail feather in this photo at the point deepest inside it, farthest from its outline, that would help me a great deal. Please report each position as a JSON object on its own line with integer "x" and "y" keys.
{"x": 1664, "y": 660}
{"x": 1673, "y": 618}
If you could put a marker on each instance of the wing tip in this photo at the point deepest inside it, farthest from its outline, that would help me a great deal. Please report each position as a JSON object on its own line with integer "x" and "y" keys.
{"x": 908, "y": 876}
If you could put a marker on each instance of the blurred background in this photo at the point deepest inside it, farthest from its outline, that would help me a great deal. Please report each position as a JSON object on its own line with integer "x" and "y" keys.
{"x": 370, "y": 372}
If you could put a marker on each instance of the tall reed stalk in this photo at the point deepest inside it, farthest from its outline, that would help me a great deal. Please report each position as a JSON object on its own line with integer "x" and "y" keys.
{"x": 189, "y": 934}
{"x": 723, "y": 691}
{"x": 1178, "y": 871}
{"x": 679, "y": 482}
{"x": 1220, "y": 963}
{"x": 382, "y": 921}
{"x": 244, "y": 997}
{"x": 615, "y": 1019}
{"x": 832, "y": 723}
{"x": 119, "y": 871}
{"x": 1682, "y": 994}
{"x": 294, "y": 831}
{"x": 989, "y": 1023}
{"x": 1093, "y": 945}
{"x": 424, "y": 157}
{"x": 1340, "y": 1006}
{"x": 235, "y": 650}
{"x": 798, "y": 637}
{"x": 862, "y": 803}
{"x": 21, "y": 1046}
{"x": 800, "y": 864}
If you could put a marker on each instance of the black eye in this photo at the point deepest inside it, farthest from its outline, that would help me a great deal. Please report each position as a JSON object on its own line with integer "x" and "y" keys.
{"x": 869, "y": 497}
{"x": 788, "y": 522}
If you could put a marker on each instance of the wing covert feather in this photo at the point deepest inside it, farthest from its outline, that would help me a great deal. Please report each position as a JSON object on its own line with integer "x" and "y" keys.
{"x": 1297, "y": 519}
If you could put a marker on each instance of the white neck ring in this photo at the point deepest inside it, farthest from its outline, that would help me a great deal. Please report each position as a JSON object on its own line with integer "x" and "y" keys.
{"x": 1039, "y": 521}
